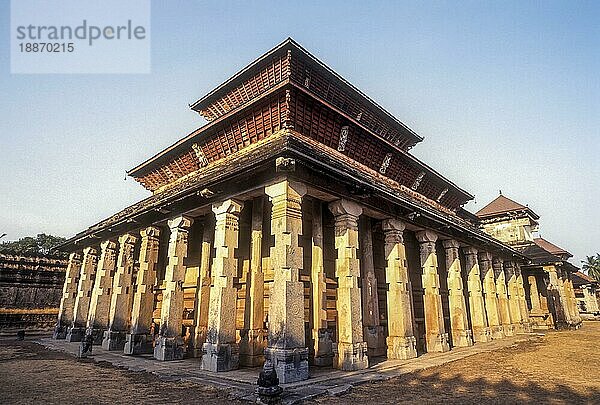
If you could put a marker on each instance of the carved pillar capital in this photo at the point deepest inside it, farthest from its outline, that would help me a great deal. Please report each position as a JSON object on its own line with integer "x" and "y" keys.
{"x": 150, "y": 232}
{"x": 393, "y": 230}
{"x": 127, "y": 239}
{"x": 427, "y": 236}
{"x": 181, "y": 223}
{"x": 345, "y": 207}
{"x": 227, "y": 207}
{"x": 450, "y": 244}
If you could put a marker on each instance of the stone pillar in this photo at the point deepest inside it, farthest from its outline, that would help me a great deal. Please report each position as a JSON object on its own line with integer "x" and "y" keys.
{"x": 204, "y": 282}
{"x": 514, "y": 305}
{"x": 139, "y": 340}
{"x": 570, "y": 292}
{"x": 522, "y": 300}
{"x": 287, "y": 349}
{"x": 436, "y": 337}
{"x": 556, "y": 291}
{"x": 351, "y": 349}
{"x": 67, "y": 302}
{"x": 84, "y": 290}
{"x": 481, "y": 331}
{"x": 373, "y": 332}
{"x": 401, "y": 342}
{"x": 501, "y": 290}
{"x": 252, "y": 344}
{"x": 169, "y": 345}
{"x": 121, "y": 297}
{"x": 220, "y": 351}
{"x": 323, "y": 342}
{"x": 491, "y": 296}
{"x": 97, "y": 321}
{"x": 534, "y": 295}
{"x": 590, "y": 300}
{"x": 459, "y": 322}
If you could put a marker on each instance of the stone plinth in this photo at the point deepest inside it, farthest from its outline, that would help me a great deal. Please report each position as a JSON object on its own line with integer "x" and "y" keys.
{"x": 84, "y": 290}
{"x": 459, "y": 322}
{"x": 479, "y": 324}
{"x": 351, "y": 351}
{"x": 220, "y": 351}
{"x": 401, "y": 343}
{"x": 435, "y": 335}
{"x": 169, "y": 345}
{"x": 286, "y": 346}
{"x": 139, "y": 340}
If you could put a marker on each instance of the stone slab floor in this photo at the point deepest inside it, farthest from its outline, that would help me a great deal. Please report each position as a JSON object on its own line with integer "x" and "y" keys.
{"x": 559, "y": 367}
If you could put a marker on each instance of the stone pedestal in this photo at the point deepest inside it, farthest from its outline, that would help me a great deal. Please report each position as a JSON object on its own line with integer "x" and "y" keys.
{"x": 286, "y": 347}
{"x": 67, "y": 302}
{"x": 292, "y": 364}
{"x": 138, "y": 343}
{"x": 351, "y": 353}
{"x": 401, "y": 343}
{"x": 459, "y": 323}
{"x": 84, "y": 290}
{"x": 97, "y": 321}
{"x": 139, "y": 340}
{"x": 122, "y": 292}
{"x": 220, "y": 351}
{"x": 435, "y": 335}
{"x": 491, "y": 296}
{"x": 479, "y": 324}
{"x": 169, "y": 348}
{"x": 169, "y": 345}
{"x": 252, "y": 347}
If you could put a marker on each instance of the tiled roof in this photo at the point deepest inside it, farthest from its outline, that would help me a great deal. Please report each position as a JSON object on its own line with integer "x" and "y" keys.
{"x": 580, "y": 279}
{"x": 551, "y": 248}
{"x": 502, "y": 205}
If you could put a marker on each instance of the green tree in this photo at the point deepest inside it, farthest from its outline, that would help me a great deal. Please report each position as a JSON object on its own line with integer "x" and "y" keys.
{"x": 591, "y": 265}
{"x": 41, "y": 245}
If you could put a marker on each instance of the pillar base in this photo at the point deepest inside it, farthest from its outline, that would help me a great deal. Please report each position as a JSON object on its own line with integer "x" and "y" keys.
{"x": 291, "y": 365}
{"x": 113, "y": 340}
{"x": 375, "y": 338}
{"x": 509, "y": 330}
{"x": 219, "y": 357}
{"x": 497, "y": 332}
{"x": 527, "y": 328}
{"x": 518, "y": 328}
{"x": 482, "y": 335}
{"x": 75, "y": 334}
{"x": 323, "y": 356}
{"x": 169, "y": 348}
{"x": 60, "y": 332}
{"x": 437, "y": 342}
{"x": 351, "y": 356}
{"x": 138, "y": 343}
{"x": 462, "y": 338}
{"x": 401, "y": 347}
{"x": 252, "y": 347}
{"x": 97, "y": 335}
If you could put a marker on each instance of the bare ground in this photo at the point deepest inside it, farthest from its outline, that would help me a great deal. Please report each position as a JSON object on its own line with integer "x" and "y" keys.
{"x": 561, "y": 367}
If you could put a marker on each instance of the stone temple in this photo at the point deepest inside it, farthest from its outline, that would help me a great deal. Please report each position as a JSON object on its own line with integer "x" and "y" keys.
{"x": 296, "y": 226}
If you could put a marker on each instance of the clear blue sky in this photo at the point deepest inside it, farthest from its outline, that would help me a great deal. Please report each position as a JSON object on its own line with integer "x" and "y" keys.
{"x": 506, "y": 94}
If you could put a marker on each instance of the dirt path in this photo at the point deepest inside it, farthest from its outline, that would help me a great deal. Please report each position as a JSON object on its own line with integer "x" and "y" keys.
{"x": 562, "y": 367}
{"x": 31, "y": 374}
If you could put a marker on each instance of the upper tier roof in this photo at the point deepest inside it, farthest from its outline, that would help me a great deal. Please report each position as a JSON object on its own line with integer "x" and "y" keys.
{"x": 305, "y": 68}
{"x": 503, "y": 205}
{"x": 552, "y": 248}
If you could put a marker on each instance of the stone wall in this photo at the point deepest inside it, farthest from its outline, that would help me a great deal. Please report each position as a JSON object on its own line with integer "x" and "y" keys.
{"x": 30, "y": 291}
